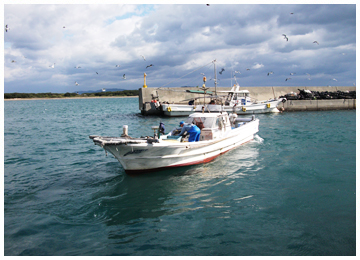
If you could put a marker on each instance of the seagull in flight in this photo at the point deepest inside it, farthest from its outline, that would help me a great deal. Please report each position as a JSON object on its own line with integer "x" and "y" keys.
{"x": 334, "y": 79}
{"x": 77, "y": 84}
{"x": 269, "y": 73}
{"x": 220, "y": 72}
{"x": 316, "y": 42}
{"x": 292, "y": 73}
{"x": 285, "y": 37}
{"x": 287, "y": 79}
{"x": 77, "y": 67}
{"x": 117, "y": 66}
{"x": 97, "y": 73}
{"x": 124, "y": 77}
{"x": 309, "y": 76}
{"x": 149, "y": 66}
{"x": 6, "y": 28}
{"x": 143, "y": 57}
{"x": 247, "y": 69}
{"x": 13, "y": 61}
{"x": 52, "y": 66}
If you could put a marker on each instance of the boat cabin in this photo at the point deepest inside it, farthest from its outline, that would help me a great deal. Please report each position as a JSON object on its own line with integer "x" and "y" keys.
{"x": 241, "y": 97}
{"x": 237, "y": 97}
{"x": 212, "y": 125}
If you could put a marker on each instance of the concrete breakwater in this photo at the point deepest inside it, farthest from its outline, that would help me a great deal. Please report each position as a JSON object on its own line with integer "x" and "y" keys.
{"x": 181, "y": 96}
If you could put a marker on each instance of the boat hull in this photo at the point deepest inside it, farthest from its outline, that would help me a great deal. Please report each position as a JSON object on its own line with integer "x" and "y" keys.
{"x": 173, "y": 110}
{"x": 146, "y": 157}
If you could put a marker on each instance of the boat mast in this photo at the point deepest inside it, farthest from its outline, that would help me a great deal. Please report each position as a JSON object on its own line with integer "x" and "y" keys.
{"x": 204, "y": 89}
{"x": 215, "y": 81}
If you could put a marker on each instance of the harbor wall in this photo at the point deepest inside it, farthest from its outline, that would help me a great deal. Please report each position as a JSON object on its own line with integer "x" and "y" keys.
{"x": 180, "y": 96}
{"x": 318, "y": 105}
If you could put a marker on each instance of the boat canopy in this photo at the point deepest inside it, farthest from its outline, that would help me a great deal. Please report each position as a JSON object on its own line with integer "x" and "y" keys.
{"x": 236, "y": 89}
{"x": 239, "y": 91}
{"x": 199, "y": 91}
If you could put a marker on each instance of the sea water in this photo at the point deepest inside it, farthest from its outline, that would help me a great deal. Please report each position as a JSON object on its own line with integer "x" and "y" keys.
{"x": 291, "y": 191}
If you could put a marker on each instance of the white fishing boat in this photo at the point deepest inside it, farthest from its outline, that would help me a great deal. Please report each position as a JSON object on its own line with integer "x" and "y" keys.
{"x": 219, "y": 134}
{"x": 235, "y": 101}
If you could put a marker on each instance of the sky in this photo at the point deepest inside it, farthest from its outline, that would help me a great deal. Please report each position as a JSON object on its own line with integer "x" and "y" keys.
{"x": 95, "y": 46}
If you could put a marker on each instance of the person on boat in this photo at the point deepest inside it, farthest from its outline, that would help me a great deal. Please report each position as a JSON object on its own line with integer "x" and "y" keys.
{"x": 193, "y": 130}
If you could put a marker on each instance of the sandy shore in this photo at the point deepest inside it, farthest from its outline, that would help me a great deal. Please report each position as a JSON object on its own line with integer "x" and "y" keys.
{"x": 16, "y": 99}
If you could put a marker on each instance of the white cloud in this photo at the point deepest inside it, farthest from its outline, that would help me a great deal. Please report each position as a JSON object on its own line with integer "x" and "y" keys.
{"x": 258, "y": 66}
{"x": 177, "y": 39}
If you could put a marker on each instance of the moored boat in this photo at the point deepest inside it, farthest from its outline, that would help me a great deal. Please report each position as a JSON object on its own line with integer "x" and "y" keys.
{"x": 219, "y": 133}
{"x": 236, "y": 101}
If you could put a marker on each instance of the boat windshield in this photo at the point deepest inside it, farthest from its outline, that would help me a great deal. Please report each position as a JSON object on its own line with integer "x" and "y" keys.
{"x": 229, "y": 97}
{"x": 209, "y": 122}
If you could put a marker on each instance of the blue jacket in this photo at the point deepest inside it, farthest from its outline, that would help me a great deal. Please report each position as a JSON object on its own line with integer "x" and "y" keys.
{"x": 189, "y": 128}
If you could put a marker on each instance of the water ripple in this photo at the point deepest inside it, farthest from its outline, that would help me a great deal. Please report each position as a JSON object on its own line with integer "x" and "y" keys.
{"x": 290, "y": 191}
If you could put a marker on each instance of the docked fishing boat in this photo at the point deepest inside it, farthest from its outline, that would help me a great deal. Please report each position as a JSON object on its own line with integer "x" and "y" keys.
{"x": 219, "y": 133}
{"x": 234, "y": 101}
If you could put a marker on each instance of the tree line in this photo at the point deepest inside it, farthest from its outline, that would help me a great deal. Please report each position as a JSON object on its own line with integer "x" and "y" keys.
{"x": 67, "y": 94}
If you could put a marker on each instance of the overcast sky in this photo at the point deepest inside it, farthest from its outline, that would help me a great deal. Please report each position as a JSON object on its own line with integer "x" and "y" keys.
{"x": 180, "y": 41}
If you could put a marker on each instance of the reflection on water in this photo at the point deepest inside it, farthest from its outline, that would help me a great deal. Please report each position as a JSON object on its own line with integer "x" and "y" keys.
{"x": 129, "y": 200}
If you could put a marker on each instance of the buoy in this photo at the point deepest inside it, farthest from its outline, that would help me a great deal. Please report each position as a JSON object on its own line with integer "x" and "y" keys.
{"x": 268, "y": 105}
{"x": 244, "y": 109}
{"x": 169, "y": 109}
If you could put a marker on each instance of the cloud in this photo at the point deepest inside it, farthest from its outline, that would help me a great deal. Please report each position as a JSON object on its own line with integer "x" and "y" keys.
{"x": 258, "y": 66}
{"x": 177, "y": 39}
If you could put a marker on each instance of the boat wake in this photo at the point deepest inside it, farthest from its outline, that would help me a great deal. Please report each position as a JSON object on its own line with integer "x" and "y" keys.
{"x": 258, "y": 139}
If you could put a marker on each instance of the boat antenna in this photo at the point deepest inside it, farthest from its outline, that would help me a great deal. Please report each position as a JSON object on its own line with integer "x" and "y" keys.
{"x": 215, "y": 81}
{"x": 204, "y": 88}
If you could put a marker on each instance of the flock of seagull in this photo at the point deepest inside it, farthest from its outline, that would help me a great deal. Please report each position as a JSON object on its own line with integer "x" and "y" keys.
{"x": 268, "y": 74}
{"x": 271, "y": 72}
{"x": 7, "y": 28}
{"x": 116, "y": 66}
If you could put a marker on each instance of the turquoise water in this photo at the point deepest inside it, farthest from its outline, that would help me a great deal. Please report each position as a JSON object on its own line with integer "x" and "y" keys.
{"x": 291, "y": 191}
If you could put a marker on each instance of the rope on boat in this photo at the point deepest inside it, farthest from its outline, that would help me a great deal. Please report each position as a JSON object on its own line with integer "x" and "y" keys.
{"x": 102, "y": 141}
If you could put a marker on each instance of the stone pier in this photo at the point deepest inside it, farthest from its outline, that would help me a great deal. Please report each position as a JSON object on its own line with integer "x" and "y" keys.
{"x": 180, "y": 96}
